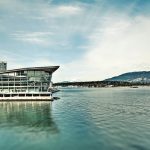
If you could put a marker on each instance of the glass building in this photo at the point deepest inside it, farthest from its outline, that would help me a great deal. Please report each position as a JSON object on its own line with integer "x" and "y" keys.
{"x": 26, "y": 82}
{"x": 3, "y": 66}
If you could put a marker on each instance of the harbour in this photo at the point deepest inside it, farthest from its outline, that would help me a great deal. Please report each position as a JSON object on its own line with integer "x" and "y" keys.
{"x": 74, "y": 74}
{"x": 110, "y": 118}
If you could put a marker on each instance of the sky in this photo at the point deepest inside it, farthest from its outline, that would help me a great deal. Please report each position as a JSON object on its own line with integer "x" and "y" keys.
{"x": 88, "y": 39}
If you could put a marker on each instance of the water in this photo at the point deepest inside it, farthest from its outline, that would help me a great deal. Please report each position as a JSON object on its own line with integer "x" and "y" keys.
{"x": 83, "y": 118}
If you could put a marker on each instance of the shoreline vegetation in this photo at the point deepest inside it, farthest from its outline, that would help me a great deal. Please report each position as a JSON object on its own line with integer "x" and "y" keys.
{"x": 99, "y": 84}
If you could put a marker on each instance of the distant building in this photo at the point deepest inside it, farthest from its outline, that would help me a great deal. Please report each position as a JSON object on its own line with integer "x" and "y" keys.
{"x": 3, "y": 66}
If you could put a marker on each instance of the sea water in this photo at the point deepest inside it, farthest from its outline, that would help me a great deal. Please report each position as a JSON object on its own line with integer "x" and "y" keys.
{"x": 83, "y": 118}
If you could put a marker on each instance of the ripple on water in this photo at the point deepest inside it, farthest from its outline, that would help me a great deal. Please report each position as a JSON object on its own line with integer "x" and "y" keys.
{"x": 83, "y": 118}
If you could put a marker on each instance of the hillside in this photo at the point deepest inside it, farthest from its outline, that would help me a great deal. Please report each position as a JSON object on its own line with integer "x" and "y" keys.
{"x": 136, "y": 77}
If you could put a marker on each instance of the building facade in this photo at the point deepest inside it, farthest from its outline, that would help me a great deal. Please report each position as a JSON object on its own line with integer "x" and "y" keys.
{"x": 34, "y": 81}
{"x": 3, "y": 66}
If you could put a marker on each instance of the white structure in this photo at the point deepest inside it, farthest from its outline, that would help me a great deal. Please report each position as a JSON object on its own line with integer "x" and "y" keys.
{"x": 32, "y": 83}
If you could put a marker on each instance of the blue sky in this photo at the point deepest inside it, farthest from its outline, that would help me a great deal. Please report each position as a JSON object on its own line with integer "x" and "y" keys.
{"x": 89, "y": 39}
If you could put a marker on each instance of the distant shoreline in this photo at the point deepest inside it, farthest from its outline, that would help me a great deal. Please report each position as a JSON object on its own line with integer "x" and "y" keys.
{"x": 100, "y": 84}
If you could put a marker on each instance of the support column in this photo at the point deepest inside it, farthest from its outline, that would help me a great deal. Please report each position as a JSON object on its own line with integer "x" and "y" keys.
{"x": 27, "y": 82}
{"x": 20, "y": 80}
{"x": 8, "y": 83}
{"x": 14, "y": 83}
{"x": 34, "y": 81}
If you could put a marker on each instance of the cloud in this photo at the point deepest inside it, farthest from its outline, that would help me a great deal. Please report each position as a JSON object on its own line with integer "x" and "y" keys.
{"x": 68, "y": 10}
{"x": 122, "y": 45}
{"x": 39, "y": 23}
{"x": 40, "y": 38}
{"x": 90, "y": 41}
{"x": 52, "y": 12}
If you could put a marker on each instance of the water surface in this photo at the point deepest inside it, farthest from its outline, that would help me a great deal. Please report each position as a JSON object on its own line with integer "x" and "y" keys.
{"x": 83, "y": 118}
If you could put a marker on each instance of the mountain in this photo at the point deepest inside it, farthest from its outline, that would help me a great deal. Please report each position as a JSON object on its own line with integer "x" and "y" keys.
{"x": 136, "y": 77}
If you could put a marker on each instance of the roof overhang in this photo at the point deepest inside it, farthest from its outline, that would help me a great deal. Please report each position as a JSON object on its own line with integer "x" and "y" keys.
{"x": 49, "y": 69}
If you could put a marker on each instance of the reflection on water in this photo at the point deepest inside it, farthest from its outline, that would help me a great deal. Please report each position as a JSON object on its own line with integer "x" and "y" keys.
{"x": 27, "y": 116}
{"x": 90, "y": 119}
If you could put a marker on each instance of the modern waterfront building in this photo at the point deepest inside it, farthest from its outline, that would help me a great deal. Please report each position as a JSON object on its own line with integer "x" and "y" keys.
{"x": 3, "y": 66}
{"x": 26, "y": 83}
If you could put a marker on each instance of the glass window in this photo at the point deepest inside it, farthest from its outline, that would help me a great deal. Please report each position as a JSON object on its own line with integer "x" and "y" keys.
{"x": 30, "y": 73}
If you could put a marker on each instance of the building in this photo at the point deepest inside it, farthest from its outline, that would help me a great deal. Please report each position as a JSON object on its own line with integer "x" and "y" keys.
{"x": 3, "y": 66}
{"x": 26, "y": 83}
